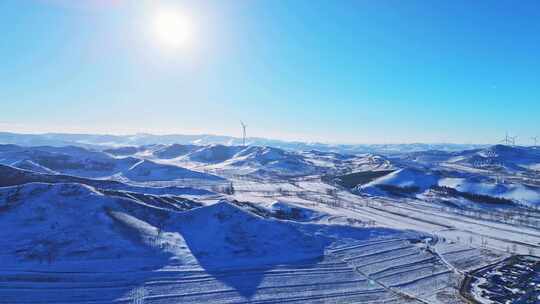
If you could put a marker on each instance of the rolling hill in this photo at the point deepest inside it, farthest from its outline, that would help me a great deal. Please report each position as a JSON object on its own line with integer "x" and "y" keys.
{"x": 76, "y": 161}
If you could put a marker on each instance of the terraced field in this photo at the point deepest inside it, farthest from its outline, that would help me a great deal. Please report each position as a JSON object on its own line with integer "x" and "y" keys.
{"x": 337, "y": 278}
{"x": 464, "y": 258}
{"x": 403, "y": 267}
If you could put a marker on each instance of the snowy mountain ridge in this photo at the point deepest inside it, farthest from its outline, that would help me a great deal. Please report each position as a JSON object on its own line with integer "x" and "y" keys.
{"x": 108, "y": 141}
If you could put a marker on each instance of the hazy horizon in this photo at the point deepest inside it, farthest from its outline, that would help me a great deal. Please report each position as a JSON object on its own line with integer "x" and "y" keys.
{"x": 239, "y": 138}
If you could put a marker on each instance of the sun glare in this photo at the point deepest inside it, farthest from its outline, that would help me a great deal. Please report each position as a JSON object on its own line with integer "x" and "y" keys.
{"x": 173, "y": 29}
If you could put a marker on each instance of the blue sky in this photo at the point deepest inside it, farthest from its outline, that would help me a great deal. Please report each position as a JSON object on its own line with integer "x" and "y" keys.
{"x": 332, "y": 71}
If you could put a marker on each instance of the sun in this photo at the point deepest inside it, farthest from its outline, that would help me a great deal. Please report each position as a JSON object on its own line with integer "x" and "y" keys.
{"x": 173, "y": 28}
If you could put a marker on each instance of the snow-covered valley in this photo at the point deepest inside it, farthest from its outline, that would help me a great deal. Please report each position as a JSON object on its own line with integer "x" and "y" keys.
{"x": 188, "y": 223}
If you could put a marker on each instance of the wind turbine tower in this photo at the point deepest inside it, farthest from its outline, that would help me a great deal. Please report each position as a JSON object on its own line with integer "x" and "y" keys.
{"x": 507, "y": 139}
{"x": 513, "y": 138}
{"x": 244, "y": 126}
{"x": 535, "y": 139}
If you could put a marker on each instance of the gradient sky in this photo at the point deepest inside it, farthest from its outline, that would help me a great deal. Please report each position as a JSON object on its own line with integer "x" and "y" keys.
{"x": 333, "y": 71}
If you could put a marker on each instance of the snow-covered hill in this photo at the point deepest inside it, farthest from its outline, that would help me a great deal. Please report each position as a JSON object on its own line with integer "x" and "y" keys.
{"x": 66, "y": 160}
{"x": 62, "y": 222}
{"x": 11, "y": 176}
{"x": 213, "y": 154}
{"x": 76, "y": 161}
{"x": 510, "y": 159}
{"x": 28, "y": 164}
{"x": 512, "y": 191}
{"x": 70, "y": 221}
{"x": 235, "y": 232}
{"x": 269, "y": 161}
{"x": 49, "y": 223}
{"x": 415, "y": 181}
{"x": 146, "y": 170}
{"x": 174, "y": 151}
{"x": 409, "y": 179}
{"x": 73, "y": 243}
{"x": 501, "y": 158}
{"x": 260, "y": 161}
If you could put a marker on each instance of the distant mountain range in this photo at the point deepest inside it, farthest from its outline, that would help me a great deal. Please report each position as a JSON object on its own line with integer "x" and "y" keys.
{"x": 107, "y": 141}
